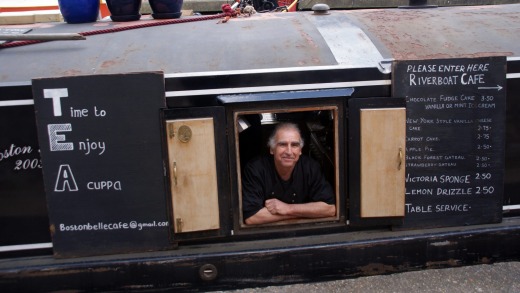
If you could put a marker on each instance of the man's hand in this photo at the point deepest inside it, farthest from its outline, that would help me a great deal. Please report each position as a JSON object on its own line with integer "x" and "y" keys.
{"x": 276, "y": 210}
{"x": 277, "y": 207}
{"x": 303, "y": 210}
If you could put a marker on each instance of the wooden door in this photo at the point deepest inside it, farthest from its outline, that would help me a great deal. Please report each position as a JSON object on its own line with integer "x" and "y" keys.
{"x": 383, "y": 138}
{"x": 376, "y": 161}
{"x": 193, "y": 174}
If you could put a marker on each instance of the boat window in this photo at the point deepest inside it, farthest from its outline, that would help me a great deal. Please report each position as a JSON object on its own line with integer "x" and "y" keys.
{"x": 319, "y": 130}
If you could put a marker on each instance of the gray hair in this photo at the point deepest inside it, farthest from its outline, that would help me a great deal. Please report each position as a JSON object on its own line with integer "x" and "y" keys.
{"x": 271, "y": 143}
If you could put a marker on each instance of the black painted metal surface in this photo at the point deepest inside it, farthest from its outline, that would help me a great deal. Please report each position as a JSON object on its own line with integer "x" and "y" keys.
{"x": 267, "y": 262}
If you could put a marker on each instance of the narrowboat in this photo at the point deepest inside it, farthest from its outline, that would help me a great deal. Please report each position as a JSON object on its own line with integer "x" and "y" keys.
{"x": 122, "y": 155}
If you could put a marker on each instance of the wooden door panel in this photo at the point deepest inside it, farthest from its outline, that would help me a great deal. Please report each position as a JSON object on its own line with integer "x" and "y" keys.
{"x": 383, "y": 138}
{"x": 193, "y": 178}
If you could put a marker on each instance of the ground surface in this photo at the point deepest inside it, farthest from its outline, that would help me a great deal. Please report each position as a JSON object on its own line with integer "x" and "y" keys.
{"x": 498, "y": 277}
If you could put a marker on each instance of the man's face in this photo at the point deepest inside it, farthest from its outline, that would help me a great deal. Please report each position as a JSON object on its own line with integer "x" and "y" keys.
{"x": 287, "y": 149}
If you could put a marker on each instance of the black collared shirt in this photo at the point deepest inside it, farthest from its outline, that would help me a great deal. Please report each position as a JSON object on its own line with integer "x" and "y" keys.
{"x": 260, "y": 182}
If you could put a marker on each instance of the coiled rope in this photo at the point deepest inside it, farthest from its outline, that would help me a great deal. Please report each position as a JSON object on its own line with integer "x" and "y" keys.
{"x": 119, "y": 29}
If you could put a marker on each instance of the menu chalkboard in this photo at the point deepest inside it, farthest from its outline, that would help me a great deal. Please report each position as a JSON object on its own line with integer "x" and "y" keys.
{"x": 100, "y": 142}
{"x": 455, "y": 139}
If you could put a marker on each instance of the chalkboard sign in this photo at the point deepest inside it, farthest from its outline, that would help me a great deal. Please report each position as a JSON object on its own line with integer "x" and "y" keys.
{"x": 455, "y": 139}
{"x": 100, "y": 141}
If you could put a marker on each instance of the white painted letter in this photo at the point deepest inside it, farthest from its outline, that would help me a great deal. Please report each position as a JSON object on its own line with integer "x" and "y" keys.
{"x": 65, "y": 180}
{"x": 56, "y": 95}
{"x": 55, "y": 139}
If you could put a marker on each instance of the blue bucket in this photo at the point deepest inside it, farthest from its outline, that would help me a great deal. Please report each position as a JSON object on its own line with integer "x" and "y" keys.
{"x": 79, "y": 11}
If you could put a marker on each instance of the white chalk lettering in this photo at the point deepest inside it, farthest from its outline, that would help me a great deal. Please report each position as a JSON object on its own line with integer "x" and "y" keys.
{"x": 104, "y": 185}
{"x": 426, "y": 178}
{"x": 421, "y": 100}
{"x": 78, "y": 113}
{"x": 56, "y": 140}
{"x": 433, "y": 80}
{"x": 444, "y": 98}
{"x": 486, "y": 106}
{"x": 477, "y": 67}
{"x": 89, "y": 146}
{"x": 447, "y": 165}
{"x": 443, "y": 121}
{"x": 99, "y": 113}
{"x": 412, "y": 149}
{"x": 455, "y": 179}
{"x": 472, "y": 79}
{"x": 418, "y": 209}
{"x": 413, "y": 157}
{"x": 452, "y": 208}
{"x": 467, "y": 98}
{"x": 451, "y": 68}
{"x": 423, "y": 191}
{"x": 422, "y": 68}
{"x": 436, "y": 158}
{"x": 421, "y": 165}
{"x": 65, "y": 180}
{"x": 454, "y": 191}
{"x": 434, "y": 106}
{"x": 56, "y": 95}
{"x": 463, "y": 121}
{"x": 454, "y": 157}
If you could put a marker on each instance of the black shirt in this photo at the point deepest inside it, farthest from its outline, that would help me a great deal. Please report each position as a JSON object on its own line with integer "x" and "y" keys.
{"x": 260, "y": 182}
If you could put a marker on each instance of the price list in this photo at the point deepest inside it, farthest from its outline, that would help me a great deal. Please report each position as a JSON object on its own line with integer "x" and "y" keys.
{"x": 455, "y": 139}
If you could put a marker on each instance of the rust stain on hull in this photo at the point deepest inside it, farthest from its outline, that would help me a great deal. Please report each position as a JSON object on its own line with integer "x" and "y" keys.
{"x": 466, "y": 32}
{"x": 377, "y": 269}
{"x": 443, "y": 264}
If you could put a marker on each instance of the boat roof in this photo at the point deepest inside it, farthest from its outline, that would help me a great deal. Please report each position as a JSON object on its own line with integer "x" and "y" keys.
{"x": 263, "y": 41}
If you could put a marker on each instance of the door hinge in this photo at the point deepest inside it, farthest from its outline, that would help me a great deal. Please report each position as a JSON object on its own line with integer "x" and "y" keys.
{"x": 179, "y": 224}
{"x": 171, "y": 131}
